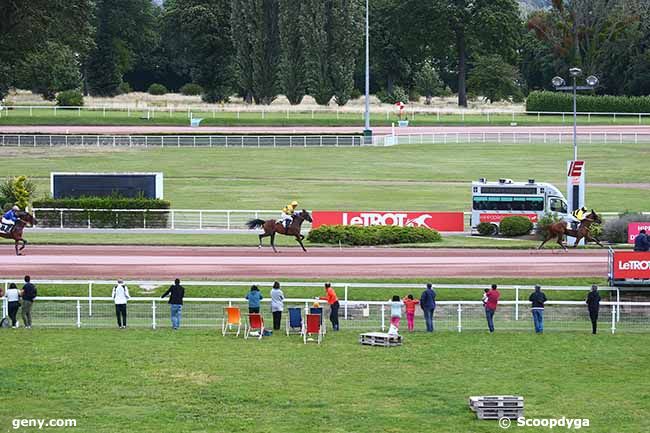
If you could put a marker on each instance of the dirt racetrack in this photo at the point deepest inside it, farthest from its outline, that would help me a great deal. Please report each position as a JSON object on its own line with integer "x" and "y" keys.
{"x": 143, "y": 262}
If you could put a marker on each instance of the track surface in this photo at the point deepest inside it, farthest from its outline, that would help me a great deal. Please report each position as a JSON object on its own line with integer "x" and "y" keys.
{"x": 278, "y": 130}
{"x": 109, "y": 262}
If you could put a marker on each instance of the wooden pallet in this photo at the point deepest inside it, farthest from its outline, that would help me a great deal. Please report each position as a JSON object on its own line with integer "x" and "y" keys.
{"x": 498, "y": 406}
{"x": 380, "y": 339}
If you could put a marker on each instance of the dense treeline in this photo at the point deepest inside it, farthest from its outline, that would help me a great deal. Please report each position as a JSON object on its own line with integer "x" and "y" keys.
{"x": 258, "y": 49}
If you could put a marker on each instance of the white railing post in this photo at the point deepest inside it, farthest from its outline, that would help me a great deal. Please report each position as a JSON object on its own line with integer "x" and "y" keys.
{"x": 618, "y": 305}
{"x": 90, "y": 298}
{"x": 345, "y": 307}
{"x": 517, "y": 303}
{"x": 153, "y": 314}
{"x": 61, "y": 218}
{"x": 173, "y": 215}
{"x": 78, "y": 313}
{"x": 228, "y": 219}
{"x": 613, "y": 319}
{"x": 383, "y": 318}
{"x": 460, "y": 317}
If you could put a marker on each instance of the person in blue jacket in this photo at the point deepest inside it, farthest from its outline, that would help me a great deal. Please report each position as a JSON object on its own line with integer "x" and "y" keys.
{"x": 428, "y": 305}
{"x": 641, "y": 242}
{"x": 9, "y": 219}
{"x": 254, "y": 297}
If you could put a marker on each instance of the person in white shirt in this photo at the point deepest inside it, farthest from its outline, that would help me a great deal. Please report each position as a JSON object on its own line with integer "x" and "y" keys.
{"x": 277, "y": 305}
{"x": 120, "y": 296}
{"x": 13, "y": 303}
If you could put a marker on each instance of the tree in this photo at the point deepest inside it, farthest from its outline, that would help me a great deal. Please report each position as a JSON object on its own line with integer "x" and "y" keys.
{"x": 50, "y": 69}
{"x": 345, "y": 33}
{"x": 241, "y": 41}
{"x": 494, "y": 78}
{"x": 316, "y": 41}
{"x": 428, "y": 82}
{"x": 292, "y": 61}
{"x": 102, "y": 72}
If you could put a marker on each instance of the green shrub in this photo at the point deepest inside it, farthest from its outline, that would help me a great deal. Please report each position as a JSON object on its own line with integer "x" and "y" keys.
{"x": 541, "y": 230}
{"x": 5, "y": 204}
{"x": 615, "y": 230}
{"x": 70, "y": 98}
{"x": 106, "y": 218}
{"x": 372, "y": 235}
{"x": 157, "y": 89}
{"x": 486, "y": 229}
{"x": 355, "y": 93}
{"x": 556, "y": 101}
{"x": 191, "y": 89}
{"x": 125, "y": 88}
{"x": 515, "y": 226}
{"x": 397, "y": 95}
{"x": 17, "y": 190}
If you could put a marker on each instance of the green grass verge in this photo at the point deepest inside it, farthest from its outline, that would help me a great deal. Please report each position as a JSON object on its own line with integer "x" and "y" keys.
{"x": 46, "y": 116}
{"x": 198, "y": 381}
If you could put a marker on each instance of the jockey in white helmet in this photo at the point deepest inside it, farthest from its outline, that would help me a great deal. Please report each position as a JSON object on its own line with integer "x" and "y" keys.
{"x": 9, "y": 218}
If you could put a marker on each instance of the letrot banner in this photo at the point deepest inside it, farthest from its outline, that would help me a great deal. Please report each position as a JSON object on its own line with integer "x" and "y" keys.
{"x": 630, "y": 264}
{"x": 441, "y": 221}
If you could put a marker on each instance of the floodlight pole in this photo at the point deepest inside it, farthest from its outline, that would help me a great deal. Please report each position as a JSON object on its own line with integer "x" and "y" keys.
{"x": 367, "y": 132}
{"x": 575, "y": 119}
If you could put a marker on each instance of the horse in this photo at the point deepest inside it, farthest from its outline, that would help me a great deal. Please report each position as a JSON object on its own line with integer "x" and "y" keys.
{"x": 271, "y": 227}
{"x": 24, "y": 218}
{"x": 561, "y": 228}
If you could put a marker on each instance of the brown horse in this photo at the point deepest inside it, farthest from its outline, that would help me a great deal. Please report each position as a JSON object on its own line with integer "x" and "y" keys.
{"x": 271, "y": 227}
{"x": 561, "y": 228}
{"x": 24, "y": 218}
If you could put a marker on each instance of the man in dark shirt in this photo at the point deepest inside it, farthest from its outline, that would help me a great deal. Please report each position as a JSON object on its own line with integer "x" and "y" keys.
{"x": 641, "y": 242}
{"x": 593, "y": 305}
{"x": 28, "y": 295}
{"x": 176, "y": 302}
{"x": 538, "y": 298}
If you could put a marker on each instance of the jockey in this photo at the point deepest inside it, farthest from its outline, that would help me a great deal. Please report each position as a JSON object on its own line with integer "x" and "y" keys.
{"x": 287, "y": 214}
{"x": 578, "y": 216}
{"x": 9, "y": 218}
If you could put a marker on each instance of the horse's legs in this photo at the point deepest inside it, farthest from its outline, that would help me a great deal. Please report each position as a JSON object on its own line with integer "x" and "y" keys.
{"x": 299, "y": 238}
{"x": 594, "y": 239}
{"x": 260, "y": 244}
{"x": 24, "y": 244}
{"x": 559, "y": 241}
{"x": 543, "y": 242}
{"x": 16, "y": 247}
{"x": 273, "y": 242}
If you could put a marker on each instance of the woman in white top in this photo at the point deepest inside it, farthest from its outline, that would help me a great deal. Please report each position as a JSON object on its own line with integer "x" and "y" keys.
{"x": 13, "y": 303}
{"x": 277, "y": 305}
{"x": 120, "y": 296}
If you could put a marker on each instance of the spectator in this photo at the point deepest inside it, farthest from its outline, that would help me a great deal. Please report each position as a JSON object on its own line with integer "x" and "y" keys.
{"x": 641, "y": 242}
{"x": 593, "y": 305}
{"x": 395, "y": 311}
{"x": 28, "y": 294}
{"x": 120, "y": 295}
{"x": 538, "y": 298}
{"x": 333, "y": 302}
{"x": 428, "y": 305}
{"x": 176, "y": 292}
{"x": 410, "y": 311}
{"x": 13, "y": 303}
{"x": 277, "y": 305}
{"x": 493, "y": 296}
{"x": 254, "y": 297}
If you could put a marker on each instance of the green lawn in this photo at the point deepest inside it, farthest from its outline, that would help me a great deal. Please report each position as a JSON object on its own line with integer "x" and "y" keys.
{"x": 409, "y": 177}
{"x": 46, "y": 116}
{"x": 197, "y": 381}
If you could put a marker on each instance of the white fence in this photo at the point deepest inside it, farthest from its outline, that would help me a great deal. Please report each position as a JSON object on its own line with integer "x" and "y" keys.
{"x": 161, "y": 141}
{"x": 512, "y": 138}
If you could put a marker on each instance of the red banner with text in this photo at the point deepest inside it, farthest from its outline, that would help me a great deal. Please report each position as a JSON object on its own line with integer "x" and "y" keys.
{"x": 631, "y": 264}
{"x": 441, "y": 221}
{"x": 633, "y": 229}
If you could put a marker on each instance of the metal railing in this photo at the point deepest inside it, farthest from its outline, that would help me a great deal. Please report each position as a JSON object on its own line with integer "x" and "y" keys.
{"x": 512, "y": 138}
{"x": 162, "y": 141}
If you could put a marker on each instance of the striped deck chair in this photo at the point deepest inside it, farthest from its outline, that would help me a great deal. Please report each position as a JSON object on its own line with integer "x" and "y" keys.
{"x": 255, "y": 323}
{"x": 294, "y": 321}
{"x": 231, "y": 319}
{"x": 313, "y": 326}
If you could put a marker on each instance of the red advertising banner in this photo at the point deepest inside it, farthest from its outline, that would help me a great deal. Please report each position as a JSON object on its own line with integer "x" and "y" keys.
{"x": 497, "y": 217}
{"x": 631, "y": 264}
{"x": 633, "y": 230}
{"x": 441, "y": 221}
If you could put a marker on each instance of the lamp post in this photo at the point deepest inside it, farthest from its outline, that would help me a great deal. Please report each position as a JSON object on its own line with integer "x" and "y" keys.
{"x": 367, "y": 132}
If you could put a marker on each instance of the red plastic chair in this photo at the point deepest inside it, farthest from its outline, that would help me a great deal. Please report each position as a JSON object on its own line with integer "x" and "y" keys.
{"x": 313, "y": 325}
{"x": 255, "y": 323}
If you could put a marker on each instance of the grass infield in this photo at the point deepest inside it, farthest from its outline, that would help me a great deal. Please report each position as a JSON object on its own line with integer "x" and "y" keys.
{"x": 198, "y": 381}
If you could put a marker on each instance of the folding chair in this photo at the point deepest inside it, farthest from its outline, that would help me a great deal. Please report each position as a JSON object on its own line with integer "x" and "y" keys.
{"x": 232, "y": 318}
{"x": 294, "y": 322}
{"x": 255, "y": 323}
{"x": 313, "y": 325}
{"x": 319, "y": 311}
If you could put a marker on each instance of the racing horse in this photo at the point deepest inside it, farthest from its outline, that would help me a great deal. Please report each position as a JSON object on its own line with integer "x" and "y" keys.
{"x": 271, "y": 227}
{"x": 24, "y": 218}
{"x": 561, "y": 228}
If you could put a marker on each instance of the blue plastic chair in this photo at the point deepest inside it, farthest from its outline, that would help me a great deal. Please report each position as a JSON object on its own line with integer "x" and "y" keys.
{"x": 294, "y": 323}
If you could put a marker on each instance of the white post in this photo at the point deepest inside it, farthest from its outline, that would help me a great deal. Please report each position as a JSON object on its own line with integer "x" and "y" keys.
{"x": 228, "y": 219}
{"x": 383, "y": 318}
{"x": 460, "y": 315}
{"x": 78, "y": 314}
{"x": 153, "y": 314}
{"x": 173, "y": 219}
{"x": 90, "y": 298}
{"x": 61, "y": 218}
{"x": 516, "y": 303}
{"x": 618, "y": 305}
{"x": 613, "y": 319}
{"x": 345, "y": 308}
{"x": 200, "y": 219}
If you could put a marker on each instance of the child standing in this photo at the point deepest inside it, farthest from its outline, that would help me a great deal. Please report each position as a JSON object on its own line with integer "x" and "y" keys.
{"x": 410, "y": 310}
{"x": 395, "y": 311}
{"x": 485, "y": 296}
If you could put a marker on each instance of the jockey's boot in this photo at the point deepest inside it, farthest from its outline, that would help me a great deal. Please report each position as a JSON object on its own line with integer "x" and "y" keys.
{"x": 287, "y": 223}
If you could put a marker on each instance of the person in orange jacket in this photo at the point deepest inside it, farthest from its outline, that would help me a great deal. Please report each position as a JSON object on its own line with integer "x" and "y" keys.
{"x": 333, "y": 302}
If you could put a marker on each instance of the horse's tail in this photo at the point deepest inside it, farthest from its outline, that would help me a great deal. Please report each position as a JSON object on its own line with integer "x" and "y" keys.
{"x": 255, "y": 223}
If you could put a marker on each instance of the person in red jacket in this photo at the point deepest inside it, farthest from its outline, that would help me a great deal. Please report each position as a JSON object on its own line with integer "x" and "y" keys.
{"x": 333, "y": 302}
{"x": 493, "y": 296}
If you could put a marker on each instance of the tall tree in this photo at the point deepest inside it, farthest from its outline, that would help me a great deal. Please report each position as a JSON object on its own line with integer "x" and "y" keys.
{"x": 102, "y": 74}
{"x": 346, "y": 32}
{"x": 316, "y": 18}
{"x": 50, "y": 69}
{"x": 292, "y": 64}
{"x": 242, "y": 44}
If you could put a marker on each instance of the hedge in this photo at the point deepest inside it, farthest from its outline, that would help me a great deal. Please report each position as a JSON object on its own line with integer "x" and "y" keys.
{"x": 486, "y": 229}
{"x": 157, "y": 89}
{"x": 563, "y": 102}
{"x": 372, "y": 235}
{"x": 515, "y": 226}
{"x": 191, "y": 89}
{"x": 102, "y": 219}
{"x": 70, "y": 98}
